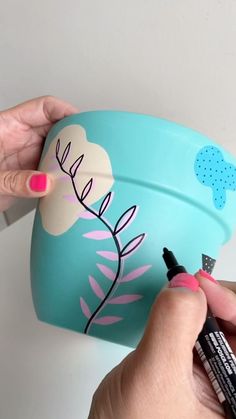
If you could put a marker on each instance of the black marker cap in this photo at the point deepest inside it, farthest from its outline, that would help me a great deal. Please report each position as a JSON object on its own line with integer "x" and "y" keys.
{"x": 172, "y": 264}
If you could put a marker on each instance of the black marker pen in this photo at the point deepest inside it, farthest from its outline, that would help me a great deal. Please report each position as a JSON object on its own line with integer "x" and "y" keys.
{"x": 213, "y": 349}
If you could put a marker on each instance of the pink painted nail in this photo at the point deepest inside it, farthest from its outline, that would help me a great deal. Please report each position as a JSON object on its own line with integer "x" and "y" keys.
{"x": 184, "y": 280}
{"x": 206, "y": 275}
{"x": 38, "y": 182}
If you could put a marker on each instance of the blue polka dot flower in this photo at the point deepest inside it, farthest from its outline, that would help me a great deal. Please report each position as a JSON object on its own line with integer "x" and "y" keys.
{"x": 214, "y": 172}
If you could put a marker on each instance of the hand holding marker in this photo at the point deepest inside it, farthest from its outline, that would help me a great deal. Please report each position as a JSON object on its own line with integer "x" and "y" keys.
{"x": 161, "y": 378}
{"x": 214, "y": 351}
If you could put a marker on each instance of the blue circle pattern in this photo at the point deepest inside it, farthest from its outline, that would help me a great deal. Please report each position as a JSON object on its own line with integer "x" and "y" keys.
{"x": 213, "y": 171}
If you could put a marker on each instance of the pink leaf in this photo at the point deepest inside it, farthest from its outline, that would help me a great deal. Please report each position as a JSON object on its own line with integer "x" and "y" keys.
{"x": 135, "y": 274}
{"x": 132, "y": 245}
{"x": 107, "y": 320}
{"x": 87, "y": 215}
{"x": 126, "y": 218}
{"x": 64, "y": 178}
{"x": 98, "y": 235}
{"x": 65, "y": 153}
{"x": 125, "y": 299}
{"x": 71, "y": 198}
{"x": 106, "y": 203}
{"x": 75, "y": 165}
{"x": 96, "y": 288}
{"x": 86, "y": 189}
{"x": 85, "y": 308}
{"x": 108, "y": 255}
{"x": 53, "y": 165}
{"x": 106, "y": 271}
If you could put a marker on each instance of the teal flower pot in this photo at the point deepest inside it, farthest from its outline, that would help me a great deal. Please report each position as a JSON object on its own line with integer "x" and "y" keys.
{"x": 126, "y": 185}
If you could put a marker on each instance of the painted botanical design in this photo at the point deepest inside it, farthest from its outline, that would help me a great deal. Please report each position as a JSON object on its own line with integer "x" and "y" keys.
{"x": 97, "y": 161}
{"x": 82, "y": 194}
{"x": 213, "y": 171}
{"x": 122, "y": 252}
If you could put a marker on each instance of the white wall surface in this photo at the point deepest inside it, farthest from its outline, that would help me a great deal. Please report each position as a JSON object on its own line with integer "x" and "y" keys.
{"x": 171, "y": 58}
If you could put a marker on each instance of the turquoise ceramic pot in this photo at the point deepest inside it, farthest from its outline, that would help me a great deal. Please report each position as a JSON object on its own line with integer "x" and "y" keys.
{"x": 126, "y": 185}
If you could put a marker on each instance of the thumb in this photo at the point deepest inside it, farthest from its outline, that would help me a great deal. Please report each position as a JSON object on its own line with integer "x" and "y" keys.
{"x": 24, "y": 183}
{"x": 176, "y": 319}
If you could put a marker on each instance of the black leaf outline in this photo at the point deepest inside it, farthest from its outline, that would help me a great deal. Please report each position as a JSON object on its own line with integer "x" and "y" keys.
{"x": 105, "y": 204}
{"x": 126, "y": 252}
{"x": 75, "y": 165}
{"x": 86, "y": 189}
{"x": 118, "y": 229}
{"x": 58, "y": 147}
{"x": 65, "y": 153}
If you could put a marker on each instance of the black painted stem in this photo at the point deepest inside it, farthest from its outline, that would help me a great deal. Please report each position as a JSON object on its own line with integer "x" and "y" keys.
{"x": 100, "y": 306}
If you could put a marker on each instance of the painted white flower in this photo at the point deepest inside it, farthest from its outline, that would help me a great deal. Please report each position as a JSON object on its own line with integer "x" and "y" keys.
{"x": 61, "y": 209}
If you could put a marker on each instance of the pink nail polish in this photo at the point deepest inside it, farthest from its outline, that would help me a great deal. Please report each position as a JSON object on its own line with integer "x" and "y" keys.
{"x": 184, "y": 280}
{"x": 38, "y": 182}
{"x": 206, "y": 275}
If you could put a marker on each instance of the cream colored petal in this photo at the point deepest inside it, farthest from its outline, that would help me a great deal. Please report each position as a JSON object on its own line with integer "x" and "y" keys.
{"x": 61, "y": 209}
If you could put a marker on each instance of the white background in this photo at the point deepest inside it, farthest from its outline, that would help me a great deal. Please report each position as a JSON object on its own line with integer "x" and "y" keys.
{"x": 171, "y": 58}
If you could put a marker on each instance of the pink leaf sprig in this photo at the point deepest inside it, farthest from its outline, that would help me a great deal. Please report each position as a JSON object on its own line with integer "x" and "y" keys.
{"x": 71, "y": 198}
{"x": 108, "y": 272}
{"x": 107, "y": 320}
{"x": 86, "y": 215}
{"x": 125, "y": 299}
{"x": 98, "y": 235}
{"x": 85, "y": 308}
{"x": 136, "y": 273}
{"x": 96, "y": 288}
{"x": 108, "y": 255}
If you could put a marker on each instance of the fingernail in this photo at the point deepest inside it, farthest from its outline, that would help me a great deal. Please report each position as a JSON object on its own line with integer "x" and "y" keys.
{"x": 184, "y": 280}
{"x": 38, "y": 182}
{"x": 206, "y": 275}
